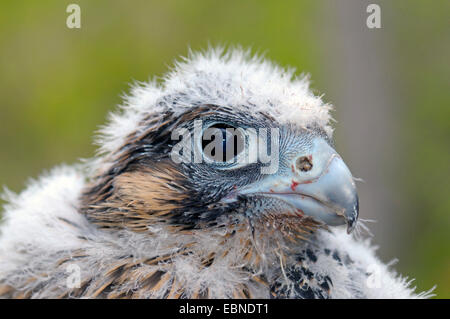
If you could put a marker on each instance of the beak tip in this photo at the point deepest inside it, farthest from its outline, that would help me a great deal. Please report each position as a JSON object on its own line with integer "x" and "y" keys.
{"x": 352, "y": 219}
{"x": 351, "y": 225}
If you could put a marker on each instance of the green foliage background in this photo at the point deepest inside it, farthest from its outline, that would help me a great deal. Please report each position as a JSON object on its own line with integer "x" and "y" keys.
{"x": 57, "y": 84}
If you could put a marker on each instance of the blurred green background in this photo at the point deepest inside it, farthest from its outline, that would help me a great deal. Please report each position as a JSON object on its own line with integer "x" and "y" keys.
{"x": 390, "y": 87}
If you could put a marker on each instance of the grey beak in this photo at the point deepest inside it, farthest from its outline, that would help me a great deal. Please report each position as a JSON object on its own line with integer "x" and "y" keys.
{"x": 326, "y": 192}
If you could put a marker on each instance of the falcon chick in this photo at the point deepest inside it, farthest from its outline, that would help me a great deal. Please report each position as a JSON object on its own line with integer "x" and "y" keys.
{"x": 214, "y": 220}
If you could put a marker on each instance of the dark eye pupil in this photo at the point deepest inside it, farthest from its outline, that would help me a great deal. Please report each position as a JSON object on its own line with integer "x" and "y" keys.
{"x": 225, "y": 140}
{"x": 231, "y": 143}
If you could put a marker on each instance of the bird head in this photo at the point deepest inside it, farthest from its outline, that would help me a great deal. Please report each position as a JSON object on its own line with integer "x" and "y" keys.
{"x": 228, "y": 143}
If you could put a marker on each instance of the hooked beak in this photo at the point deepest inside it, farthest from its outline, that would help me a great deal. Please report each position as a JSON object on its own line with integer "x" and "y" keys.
{"x": 319, "y": 185}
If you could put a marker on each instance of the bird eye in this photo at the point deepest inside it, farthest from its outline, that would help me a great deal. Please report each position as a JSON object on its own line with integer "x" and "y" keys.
{"x": 222, "y": 143}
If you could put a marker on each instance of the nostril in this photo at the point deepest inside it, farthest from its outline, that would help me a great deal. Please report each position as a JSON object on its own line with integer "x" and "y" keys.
{"x": 304, "y": 163}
